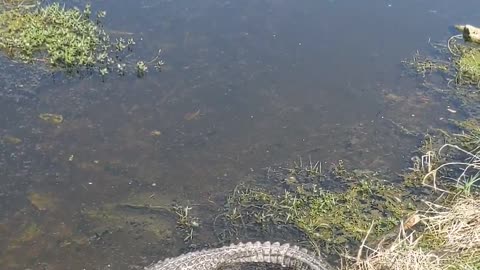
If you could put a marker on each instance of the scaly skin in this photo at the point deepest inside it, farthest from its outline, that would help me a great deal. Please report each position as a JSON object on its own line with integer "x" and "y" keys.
{"x": 211, "y": 259}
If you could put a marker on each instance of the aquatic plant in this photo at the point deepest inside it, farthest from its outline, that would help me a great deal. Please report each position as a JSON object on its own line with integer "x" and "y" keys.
{"x": 62, "y": 38}
{"x": 459, "y": 62}
{"x": 457, "y": 160}
{"x": 329, "y": 220}
{"x": 141, "y": 68}
{"x": 423, "y": 65}
{"x": 186, "y": 222}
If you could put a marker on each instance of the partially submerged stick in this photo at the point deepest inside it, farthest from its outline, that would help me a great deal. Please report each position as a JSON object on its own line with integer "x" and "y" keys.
{"x": 470, "y": 33}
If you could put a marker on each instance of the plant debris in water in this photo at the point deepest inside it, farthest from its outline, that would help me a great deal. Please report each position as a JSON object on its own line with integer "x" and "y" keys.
{"x": 186, "y": 222}
{"x": 51, "y": 118}
{"x": 63, "y": 38}
{"x": 11, "y": 140}
{"x": 423, "y": 65}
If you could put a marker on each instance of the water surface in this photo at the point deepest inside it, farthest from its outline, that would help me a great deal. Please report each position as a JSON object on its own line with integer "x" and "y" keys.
{"x": 247, "y": 84}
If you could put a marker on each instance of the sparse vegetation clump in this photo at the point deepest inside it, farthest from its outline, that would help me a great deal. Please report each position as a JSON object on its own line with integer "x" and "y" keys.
{"x": 186, "y": 222}
{"x": 423, "y": 65}
{"x": 329, "y": 220}
{"x": 63, "y": 38}
{"x": 457, "y": 160}
{"x": 459, "y": 61}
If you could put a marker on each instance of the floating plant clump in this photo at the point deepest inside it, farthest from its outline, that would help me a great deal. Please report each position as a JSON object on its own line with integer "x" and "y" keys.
{"x": 68, "y": 39}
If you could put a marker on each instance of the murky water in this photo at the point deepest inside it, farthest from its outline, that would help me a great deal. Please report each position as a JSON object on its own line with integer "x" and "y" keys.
{"x": 247, "y": 84}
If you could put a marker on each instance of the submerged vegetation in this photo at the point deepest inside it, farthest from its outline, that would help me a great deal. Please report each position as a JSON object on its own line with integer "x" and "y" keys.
{"x": 65, "y": 38}
{"x": 149, "y": 212}
{"x": 329, "y": 220}
{"x": 457, "y": 63}
{"x": 460, "y": 61}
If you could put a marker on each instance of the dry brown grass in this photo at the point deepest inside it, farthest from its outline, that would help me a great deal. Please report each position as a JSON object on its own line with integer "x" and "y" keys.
{"x": 403, "y": 254}
{"x": 458, "y": 226}
{"x": 456, "y": 232}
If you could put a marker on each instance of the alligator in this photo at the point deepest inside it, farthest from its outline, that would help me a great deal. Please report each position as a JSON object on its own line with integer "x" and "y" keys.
{"x": 285, "y": 255}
